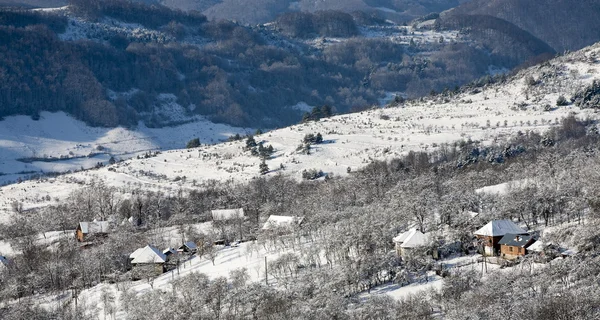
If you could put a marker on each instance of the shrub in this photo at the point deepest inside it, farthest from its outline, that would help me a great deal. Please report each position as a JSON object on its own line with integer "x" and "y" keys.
{"x": 194, "y": 143}
{"x": 562, "y": 101}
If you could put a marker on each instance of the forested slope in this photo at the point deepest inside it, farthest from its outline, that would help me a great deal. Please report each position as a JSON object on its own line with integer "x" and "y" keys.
{"x": 563, "y": 24}
{"x": 110, "y": 63}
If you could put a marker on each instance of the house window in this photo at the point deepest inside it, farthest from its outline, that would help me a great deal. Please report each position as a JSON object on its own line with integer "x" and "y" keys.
{"x": 510, "y": 249}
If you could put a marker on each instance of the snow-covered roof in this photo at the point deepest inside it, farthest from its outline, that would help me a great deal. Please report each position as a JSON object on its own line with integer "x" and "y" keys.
{"x": 135, "y": 253}
{"x": 401, "y": 237}
{"x": 169, "y": 251}
{"x": 226, "y": 214}
{"x": 415, "y": 239}
{"x": 275, "y": 222}
{"x": 537, "y": 246}
{"x": 190, "y": 245}
{"x": 569, "y": 252}
{"x": 515, "y": 240}
{"x": 496, "y": 228}
{"x": 94, "y": 227}
{"x": 148, "y": 254}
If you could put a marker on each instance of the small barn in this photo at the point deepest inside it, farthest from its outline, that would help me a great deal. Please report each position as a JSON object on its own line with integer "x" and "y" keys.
{"x": 282, "y": 224}
{"x": 171, "y": 254}
{"x": 188, "y": 248}
{"x": 147, "y": 262}
{"x": 489, "y": 235}
{"x": 88, "y": 231}
{"x": 227, "y": 214}
{"x": 513, "y": 246}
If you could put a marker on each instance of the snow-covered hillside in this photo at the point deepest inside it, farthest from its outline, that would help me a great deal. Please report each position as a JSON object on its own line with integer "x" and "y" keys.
{"x": 350, "y": 141}
{"x": 59, "y": 143}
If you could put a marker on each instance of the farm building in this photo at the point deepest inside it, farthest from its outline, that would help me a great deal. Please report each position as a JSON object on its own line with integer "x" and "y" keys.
{"x": 513, "y": 246}
{"x": 188, "y": 248}
{"x": 490, "y": 234}
{"x": 282, "y": 224}
{"x": 409, "y": 240}
{"x": 171, "y": 254}
{"x": 147, "y": 262}
{"x": 87, "y": 231}
{"x": 227, "y": 214}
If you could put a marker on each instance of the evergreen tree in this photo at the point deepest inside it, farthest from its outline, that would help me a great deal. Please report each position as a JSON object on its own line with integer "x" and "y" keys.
{"x": 263, "y": 167}
{"x": 250, "y": 142}
{"x": 194, "y": 143}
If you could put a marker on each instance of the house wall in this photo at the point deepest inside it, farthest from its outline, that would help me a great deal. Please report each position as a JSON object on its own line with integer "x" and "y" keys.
{"x": 79, "y": 235}
{"x": 512, "y": 251}
{"x": 490, "y": 244}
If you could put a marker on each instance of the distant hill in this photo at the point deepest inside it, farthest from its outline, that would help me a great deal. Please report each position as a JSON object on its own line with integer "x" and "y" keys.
{"x": 563, "y": 24}
{"x": 262, "y": 11}
{"x": 33, "y": 3}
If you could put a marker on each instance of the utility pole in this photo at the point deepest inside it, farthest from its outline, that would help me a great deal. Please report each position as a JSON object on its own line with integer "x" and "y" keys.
{"x": 266, "y": 272}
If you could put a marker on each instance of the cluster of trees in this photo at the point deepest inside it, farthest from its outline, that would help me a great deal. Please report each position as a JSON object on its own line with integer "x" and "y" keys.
{"x": 321, "y": 23}
{"x": 317, "y": 113}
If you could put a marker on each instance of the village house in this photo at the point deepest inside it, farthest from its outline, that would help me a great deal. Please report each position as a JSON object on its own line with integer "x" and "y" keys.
{"x": 513, "y": 246}
{"x": 147, "y": 262}
{"x": 410, "y": 240}
{"x": 88, "y": 231}
{"x": 282, "y": 224}
{"x": 490, "y": 235}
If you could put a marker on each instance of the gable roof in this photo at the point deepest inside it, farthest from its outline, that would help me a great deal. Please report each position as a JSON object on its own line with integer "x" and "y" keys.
{"x": 401, "y": 237}
{"x": 148, "y": 254}
{"x": 94, "y": 227}
{"x": 496, "y": 228}
{"x": 226, "y": 214}
{"x": 415, "y": 239}
{"x": 515, "y": 240}
{"x": 274, "y": 222}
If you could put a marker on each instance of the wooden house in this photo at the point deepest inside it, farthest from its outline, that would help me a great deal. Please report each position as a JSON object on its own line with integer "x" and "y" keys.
{"x": 490, "y": 235}
{"x": 147, "y": 262}
{"x": 513, "y": 246}
{"x": 87, "y": 231}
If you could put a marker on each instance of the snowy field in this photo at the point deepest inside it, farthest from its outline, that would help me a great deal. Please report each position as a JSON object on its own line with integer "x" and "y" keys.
{"x": 350, "y": 141}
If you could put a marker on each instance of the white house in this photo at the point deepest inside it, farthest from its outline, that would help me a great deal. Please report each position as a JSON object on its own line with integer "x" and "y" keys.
{"x": 409, "y": 240}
